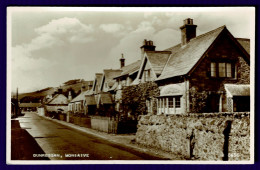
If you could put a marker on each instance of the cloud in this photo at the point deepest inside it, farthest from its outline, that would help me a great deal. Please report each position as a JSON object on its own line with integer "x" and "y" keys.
{"x": 145, "y": 27}
{"x": 130, "y": 44}
{"x": 156, "y": 21}
{"x": 111, "y": 28}
{"x": 60, "y": 31}
{"x": 28, "y": 72}
{"x": 166, "y": 38}
{"x": 56, "y": 46}
{"x": 22, "y": 60}
{"x": 65, "y": 25}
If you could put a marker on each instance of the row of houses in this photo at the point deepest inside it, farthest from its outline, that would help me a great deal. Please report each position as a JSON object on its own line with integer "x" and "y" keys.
{"x": 215, "y": 62}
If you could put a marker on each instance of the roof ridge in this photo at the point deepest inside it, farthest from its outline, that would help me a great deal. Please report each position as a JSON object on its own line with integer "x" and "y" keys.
{"x": 111, "y": 69}
{"x": 163, "y": 51}
{"x": 130, "y": 64}
{"x": 52, "y": 98}
{"x": 209, "y": 32}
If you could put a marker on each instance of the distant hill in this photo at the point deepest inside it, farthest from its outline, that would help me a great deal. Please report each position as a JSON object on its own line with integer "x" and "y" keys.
{"x": 71, "y": 85}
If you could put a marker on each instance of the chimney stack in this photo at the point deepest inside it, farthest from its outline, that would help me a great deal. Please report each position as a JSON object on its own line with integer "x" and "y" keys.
{"x": 188, "y": 31}
{"x": 147, "y": 46}
{"x": 90, "y": 84}
{"x": 82, "y": 87}
{"x": 70, "y": 96}
{"x": 122, "y": 61}
{"x": 59, "y": 91}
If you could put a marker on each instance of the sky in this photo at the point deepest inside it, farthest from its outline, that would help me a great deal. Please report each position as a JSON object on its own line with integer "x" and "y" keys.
{"x": 48, "y": 46}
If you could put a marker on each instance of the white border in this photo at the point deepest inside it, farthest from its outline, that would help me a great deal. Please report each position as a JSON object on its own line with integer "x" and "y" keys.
{"x": 10, "y": 10}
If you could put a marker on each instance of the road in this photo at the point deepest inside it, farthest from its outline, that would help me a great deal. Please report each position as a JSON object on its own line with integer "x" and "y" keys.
{"x": 64, "y": 143}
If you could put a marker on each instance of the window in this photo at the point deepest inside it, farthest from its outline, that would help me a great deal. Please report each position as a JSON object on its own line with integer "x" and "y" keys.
{"x": 77, "y": 107}
{"x": 222, "y": 70}
{"x": 170, "y": 100}
{"x": 177, "y": 102}
{"x": 173, "y": 102}
{"x": 213, "y": 70}
{"x": 228, "y": 65}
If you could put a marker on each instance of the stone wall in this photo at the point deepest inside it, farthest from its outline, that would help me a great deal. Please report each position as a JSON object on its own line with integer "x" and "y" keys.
{"x": 207, "y": 136}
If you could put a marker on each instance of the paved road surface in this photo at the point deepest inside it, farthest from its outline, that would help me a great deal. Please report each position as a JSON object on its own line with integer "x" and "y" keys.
{"x": 62, "y": 141}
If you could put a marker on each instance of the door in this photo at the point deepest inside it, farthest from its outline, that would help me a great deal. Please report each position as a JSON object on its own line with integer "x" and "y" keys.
{"x": 213, "y": 103}
{"x": 241, "y": 103}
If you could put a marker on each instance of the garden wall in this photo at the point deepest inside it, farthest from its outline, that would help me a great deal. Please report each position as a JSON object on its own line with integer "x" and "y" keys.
{"x": 207, "y": 136}
{"x": 112, "y": 125}
{"x": 104, "y": 124}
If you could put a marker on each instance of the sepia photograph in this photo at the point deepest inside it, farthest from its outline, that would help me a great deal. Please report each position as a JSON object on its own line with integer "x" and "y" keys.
{"x": 130, "y": 85}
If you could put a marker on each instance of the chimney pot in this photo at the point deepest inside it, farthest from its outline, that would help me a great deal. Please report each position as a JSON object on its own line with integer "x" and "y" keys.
{"x": 145, "y": 42}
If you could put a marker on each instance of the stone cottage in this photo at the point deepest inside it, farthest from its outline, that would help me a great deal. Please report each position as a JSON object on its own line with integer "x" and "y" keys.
{"x": 78, "y": 104}
{"x": 59, "y": 103}
{"x": 214, "y": 64}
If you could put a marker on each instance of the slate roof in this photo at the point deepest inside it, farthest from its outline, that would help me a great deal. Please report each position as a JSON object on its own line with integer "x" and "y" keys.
{"x": 238, "y": 90}
{"x": 109, "y": 76}
{"x": 131, "y": 68}
{"x": 29, "y": 104}
{"x": 89, "y": 82}
{"x": 183, "y": 58}
{"x": 90, "y": 100}
{"x": 81, "y": 96}
{"x": 106, "y": 98}
{"x": 54, "y": 97}
{"x": 245, "y": 44}
{"x": 158, "y": 60}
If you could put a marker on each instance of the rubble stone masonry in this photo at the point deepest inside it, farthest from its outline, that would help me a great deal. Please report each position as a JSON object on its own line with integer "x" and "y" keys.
{"x": 206, "y": 136}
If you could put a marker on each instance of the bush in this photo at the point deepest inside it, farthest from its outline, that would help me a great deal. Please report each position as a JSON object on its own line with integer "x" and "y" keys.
{"x": 134, "y": 98}
{"x": 198, "y": 101}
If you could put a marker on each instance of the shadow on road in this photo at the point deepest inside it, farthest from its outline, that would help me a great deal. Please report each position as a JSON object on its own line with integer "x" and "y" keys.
{"x": 23, "y": 145}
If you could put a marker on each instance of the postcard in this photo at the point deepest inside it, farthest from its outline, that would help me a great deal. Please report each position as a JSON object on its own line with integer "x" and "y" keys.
{"x": 128, "y": 85}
